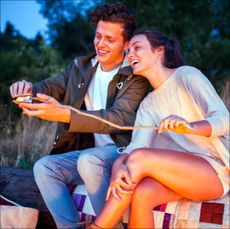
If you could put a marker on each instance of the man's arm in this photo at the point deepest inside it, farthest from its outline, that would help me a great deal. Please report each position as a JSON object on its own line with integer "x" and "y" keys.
{"x": 54, "y": 86}
{"x": 122, "y": 112}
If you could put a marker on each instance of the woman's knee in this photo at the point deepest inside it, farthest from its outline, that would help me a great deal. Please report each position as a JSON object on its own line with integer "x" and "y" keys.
{"x": 135, "y": 157}
{"x": 136, "y": 161}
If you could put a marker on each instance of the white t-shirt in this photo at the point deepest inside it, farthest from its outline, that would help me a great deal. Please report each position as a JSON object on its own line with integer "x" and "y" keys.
{"x": 96, "y": 98}
{"x": 189, "y": 94}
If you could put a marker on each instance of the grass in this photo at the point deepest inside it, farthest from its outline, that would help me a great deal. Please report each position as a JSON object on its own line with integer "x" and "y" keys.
{"x": 26, "y": 141}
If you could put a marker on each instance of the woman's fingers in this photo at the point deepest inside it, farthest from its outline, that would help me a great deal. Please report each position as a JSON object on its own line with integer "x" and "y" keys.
{"x": 123, "y": 187}
{"x": 108, "y": 192}
{"x": 174, "y": 123}
{"x": 114, "y": 191}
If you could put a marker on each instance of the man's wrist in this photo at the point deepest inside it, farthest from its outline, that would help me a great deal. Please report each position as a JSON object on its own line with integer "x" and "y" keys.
{"x": 66, "y": 115}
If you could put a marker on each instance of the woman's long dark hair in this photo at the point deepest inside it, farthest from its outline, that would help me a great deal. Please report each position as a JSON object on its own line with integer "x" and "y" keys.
{"x": 172, "y": 54}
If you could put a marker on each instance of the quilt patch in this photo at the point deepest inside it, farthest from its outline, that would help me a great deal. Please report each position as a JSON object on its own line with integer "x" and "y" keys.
{"x": 182, "y": 214}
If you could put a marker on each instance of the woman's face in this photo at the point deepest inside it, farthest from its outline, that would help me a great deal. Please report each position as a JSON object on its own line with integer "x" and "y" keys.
{"x": 141, "y": 56}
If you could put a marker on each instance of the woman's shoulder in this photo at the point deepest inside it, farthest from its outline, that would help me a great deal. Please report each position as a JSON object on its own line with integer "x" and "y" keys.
{"x": 187, "y": 69}
{"x": 188, "y": 73}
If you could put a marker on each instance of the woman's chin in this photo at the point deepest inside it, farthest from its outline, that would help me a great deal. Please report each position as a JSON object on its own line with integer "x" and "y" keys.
{"x": 136, "y": 71}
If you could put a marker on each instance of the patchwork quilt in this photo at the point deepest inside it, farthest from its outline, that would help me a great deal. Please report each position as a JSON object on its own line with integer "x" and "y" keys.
{"x": 187, "y": 214}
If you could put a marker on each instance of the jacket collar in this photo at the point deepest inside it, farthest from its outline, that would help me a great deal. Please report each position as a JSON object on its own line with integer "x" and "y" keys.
{"x": 86, "y": 63}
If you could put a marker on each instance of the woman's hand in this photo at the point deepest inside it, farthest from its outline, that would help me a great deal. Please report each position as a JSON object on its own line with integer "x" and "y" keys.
{"x": 176, "y": 124}
{"x": 120, "y": 181}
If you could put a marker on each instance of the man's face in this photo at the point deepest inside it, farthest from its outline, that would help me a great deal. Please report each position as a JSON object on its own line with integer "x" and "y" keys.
{"x": 109, "y": 44}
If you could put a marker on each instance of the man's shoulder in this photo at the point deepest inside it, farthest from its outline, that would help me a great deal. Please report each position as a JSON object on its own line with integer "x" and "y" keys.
{"x": 126, "y": 70}
{"x": 82, "y": 61}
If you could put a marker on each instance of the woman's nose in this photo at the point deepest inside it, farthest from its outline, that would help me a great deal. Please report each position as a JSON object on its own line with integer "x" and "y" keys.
{"x": 130, "y": 54}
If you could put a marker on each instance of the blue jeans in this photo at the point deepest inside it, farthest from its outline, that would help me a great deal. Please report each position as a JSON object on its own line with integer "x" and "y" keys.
{"x": 91, "y": 167}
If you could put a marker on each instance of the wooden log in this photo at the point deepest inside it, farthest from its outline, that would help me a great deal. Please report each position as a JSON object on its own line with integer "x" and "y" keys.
{"x": 19, "y": 186}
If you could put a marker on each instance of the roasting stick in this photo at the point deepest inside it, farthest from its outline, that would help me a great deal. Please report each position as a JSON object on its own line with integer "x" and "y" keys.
{"x": 185, "y": 127}
{"x": 103, "y": 120}
{"x": 108, "y": 122}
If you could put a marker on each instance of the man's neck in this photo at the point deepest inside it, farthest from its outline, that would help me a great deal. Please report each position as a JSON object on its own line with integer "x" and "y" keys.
{"x": 108, "y": 68}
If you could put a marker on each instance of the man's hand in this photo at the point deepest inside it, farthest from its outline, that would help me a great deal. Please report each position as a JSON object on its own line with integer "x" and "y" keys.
{"x": 20, "y": 88}
{"x": 48, "y": 109}
{"x": 120, "y": 181}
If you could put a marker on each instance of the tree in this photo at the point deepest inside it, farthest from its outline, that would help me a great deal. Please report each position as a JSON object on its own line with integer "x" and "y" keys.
{"x": 23, "y": 58}
{"x": 69, "y": 29}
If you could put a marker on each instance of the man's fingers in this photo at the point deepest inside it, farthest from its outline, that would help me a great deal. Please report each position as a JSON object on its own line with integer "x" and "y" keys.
{"x": 33, "y": 106}
{"x": 45, "y": 98}
{"x": 14, "y": 90}
{"x": 24, "y": 87}
{"x": 20, "y": 87}
{"x": 28, "y": 88}
{"x": 36, "y": 113}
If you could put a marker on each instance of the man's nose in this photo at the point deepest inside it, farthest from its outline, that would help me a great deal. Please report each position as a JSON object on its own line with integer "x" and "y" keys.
{"x": 101, "y": 42}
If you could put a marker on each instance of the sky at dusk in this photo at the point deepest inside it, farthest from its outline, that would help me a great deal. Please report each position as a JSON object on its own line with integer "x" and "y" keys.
{"x": 24, "y": 15}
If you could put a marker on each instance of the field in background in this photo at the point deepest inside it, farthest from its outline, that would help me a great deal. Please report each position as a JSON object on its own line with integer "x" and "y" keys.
{"x": 31, "y": 138}
{"x": 27, "y": 141}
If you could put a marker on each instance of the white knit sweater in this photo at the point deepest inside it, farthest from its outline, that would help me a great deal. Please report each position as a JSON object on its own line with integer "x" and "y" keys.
{"x": 186, "y": 93}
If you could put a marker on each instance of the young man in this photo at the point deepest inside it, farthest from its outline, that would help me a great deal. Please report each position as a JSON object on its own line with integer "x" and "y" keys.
{"x": 102, "y": 85}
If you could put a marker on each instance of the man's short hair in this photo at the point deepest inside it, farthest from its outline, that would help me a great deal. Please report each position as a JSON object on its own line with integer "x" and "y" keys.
{"x": 117, "y": 13}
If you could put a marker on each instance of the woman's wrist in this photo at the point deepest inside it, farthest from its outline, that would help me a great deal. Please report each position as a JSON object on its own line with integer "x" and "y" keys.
{"x": 202, "y": 128}
{"x": 121, "y": 160}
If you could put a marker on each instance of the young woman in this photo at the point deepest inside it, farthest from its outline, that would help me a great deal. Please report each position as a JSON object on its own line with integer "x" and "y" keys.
{"x": 187, "y": 156}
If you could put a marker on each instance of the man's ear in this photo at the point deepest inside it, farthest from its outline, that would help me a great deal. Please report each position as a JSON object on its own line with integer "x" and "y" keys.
{"x": 126, "y": 46}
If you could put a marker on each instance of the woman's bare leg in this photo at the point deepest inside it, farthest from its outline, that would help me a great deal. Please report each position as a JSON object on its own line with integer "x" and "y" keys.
{"x": 113, "y": 210}
{"x": 188, "y": 175}
{"x": 148, "y": 194}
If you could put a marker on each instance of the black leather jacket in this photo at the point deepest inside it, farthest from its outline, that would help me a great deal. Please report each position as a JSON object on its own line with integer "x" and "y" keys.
{"x": 125, "y": 92}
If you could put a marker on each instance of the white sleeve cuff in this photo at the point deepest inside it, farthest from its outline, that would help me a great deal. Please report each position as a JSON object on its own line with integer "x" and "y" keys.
{"x": 219, "y": 126}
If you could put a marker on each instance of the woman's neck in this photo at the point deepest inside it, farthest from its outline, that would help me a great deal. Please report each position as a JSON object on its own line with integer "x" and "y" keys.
{"x": 157, "y": 77}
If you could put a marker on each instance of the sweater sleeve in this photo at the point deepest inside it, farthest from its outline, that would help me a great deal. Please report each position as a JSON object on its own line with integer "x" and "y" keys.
{"x": 142, "y": 138}
{"x": 210, "y": 104}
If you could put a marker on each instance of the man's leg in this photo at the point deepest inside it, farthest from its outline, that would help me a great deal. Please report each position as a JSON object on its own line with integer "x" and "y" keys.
{"x": 52, "y": 174}
{"x": 94, "y": 166}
